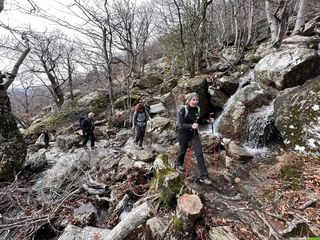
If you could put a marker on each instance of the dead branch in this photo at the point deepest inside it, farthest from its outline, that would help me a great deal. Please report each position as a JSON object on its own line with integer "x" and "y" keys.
{"x": 272, "y": 231}
{"x": 308, "y": 204}
{"x": 291, "y": 226}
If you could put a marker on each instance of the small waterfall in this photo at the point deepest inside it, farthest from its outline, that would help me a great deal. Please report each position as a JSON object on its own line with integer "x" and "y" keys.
{"x": 260, "y": 127}
{"x": 249, "y": 77}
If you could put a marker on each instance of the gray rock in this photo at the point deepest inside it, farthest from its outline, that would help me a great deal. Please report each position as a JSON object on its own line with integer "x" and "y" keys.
{"x": 287, "y": 68}
{"x": 297, "y": 117}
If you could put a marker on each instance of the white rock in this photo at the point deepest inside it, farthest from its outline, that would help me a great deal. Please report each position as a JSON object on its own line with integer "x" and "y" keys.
{"x": 315, "y": 107}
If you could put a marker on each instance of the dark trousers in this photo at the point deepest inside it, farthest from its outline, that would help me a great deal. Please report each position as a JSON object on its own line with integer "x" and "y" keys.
{"x": 140, "y": 132}
{"x": 194, "y": 140}
{"x": 46, "y": 140}
{"x": 86, "y": 139}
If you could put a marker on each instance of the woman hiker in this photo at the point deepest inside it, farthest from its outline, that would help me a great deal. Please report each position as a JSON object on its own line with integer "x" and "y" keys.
{"x": 188, "y": 122}
{"x": 139, "y": 123}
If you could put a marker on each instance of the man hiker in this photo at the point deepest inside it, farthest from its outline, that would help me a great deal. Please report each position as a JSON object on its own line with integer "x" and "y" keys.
{"x": 87, "y": 126}
{"x": 139, "y": 123}
{"x": 188, "y": 120}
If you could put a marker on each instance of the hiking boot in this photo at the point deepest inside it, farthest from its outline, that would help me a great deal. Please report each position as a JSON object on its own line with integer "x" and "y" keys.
{"x": 206, "y": 181}
{"x": 85, "y": 147}
{"x": 181, "y": 168}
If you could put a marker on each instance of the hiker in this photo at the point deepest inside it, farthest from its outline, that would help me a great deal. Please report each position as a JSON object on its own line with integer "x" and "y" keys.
{"x": 45, "y": 137}
{"x": 139, "y": 123}
{"x": 87, "y": 126}
{"x": 188, "y": 120}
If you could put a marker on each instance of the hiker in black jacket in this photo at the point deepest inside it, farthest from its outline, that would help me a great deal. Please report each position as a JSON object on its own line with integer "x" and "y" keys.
{"x": 87, "y": 127}
{"x": 188, "y": 123}
{"x": 139, "y": 123}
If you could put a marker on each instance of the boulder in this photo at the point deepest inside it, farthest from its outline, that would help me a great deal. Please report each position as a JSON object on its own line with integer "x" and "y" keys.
{"x": 157, "y": 108}
{"x": 35, "y": 161}
{"x": 155, "y": 228}
{"x": 89, "y": 98}
{"x": 287, "y": 68}
{"x": 217, "y": 98}
{"x": 68, "y": 141}
{"x": 233, "y": 120}
{"x": 149, "y": 81}
{"x": 297, "y": 117}
{"x": 72, "y": 232}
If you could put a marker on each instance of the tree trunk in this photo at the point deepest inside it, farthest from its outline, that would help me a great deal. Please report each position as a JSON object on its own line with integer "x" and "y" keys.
{"x": 300, "y": 21}
{"x": 58, "y": 95}
{"x": 283, "y": 23}
{"x": 189, "y": 210}
{"x": 250, "y": 21}
{"x": 1, "y": 5}
{"x": 70, "y": 78}
{"x": 271, "y": 20}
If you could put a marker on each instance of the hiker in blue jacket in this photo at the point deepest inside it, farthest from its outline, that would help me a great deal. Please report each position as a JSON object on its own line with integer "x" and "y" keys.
{"x": 188, "y": 122}
{"x": 87, "y": 127}
{"x": 139, "y": 123}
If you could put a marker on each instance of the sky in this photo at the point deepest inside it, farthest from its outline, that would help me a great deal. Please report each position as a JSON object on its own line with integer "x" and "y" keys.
{"x": 15, "y": 17}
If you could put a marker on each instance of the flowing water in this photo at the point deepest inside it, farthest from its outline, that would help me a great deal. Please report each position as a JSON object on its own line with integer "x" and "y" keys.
{"x": 243, "y": 80}
{"x": 260, "y": 127}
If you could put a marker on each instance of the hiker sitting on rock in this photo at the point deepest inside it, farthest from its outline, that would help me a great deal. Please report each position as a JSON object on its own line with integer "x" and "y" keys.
{"x": 188, "y": 120}
{"x": 45, "y": 137}
{"x": 87, "y": 126}
{"x": 139, "y": 123}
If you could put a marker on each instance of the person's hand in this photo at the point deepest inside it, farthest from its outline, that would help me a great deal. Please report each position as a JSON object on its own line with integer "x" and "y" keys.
{"x": 195, "y": 126}
{"x": 211, "y": 120}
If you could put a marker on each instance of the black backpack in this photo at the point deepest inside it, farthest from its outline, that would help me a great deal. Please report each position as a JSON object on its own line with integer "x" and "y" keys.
{"x": 82, "y": 118}
{"x": 185, "y": 113}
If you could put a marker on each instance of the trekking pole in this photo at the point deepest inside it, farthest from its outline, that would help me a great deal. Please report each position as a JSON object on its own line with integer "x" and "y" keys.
{"x": 214, "y": 149}
{"x": 190, "y": 151}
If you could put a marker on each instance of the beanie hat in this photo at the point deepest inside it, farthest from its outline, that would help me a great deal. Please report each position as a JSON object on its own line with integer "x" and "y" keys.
{"x": 90, "y": 115}
{"x": 191, "y": 95}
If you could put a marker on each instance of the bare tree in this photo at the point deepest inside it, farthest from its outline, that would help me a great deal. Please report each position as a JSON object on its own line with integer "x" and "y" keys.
{"x": 301, "y": 17}
{"x": 47, "y": 60}
{"x": 278, "y": 20}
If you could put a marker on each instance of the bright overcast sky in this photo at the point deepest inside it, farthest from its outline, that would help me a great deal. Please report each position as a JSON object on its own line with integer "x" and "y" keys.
{"x": 15, "y": 18}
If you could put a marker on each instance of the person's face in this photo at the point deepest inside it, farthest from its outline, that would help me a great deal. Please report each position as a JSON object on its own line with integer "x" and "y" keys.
{"x": 194, "y": 102}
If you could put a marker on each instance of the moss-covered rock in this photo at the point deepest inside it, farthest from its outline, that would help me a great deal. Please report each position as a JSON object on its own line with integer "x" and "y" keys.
{"x": 12, "y": 147}
{"x": 297, "y": 117}
{"x": 167, "y": 181}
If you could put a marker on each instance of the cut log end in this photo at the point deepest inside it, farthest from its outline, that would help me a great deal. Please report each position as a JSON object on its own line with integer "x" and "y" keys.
{"x": 190, "y": 205}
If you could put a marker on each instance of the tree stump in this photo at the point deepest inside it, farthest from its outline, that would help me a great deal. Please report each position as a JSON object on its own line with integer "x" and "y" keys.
{"x": 189, "y": 209}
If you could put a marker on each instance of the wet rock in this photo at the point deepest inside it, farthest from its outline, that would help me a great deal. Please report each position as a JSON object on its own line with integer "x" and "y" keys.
{"x": 238, "y": 153}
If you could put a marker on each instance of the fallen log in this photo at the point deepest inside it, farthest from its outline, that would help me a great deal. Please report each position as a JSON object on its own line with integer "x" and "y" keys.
{"x": 134, "y": 219}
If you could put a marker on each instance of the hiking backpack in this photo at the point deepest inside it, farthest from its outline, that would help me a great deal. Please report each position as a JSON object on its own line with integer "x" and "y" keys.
{"x": 82, "y": 118}
{"x": 141, "y": 118}
{"x": 185, "y": 113}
